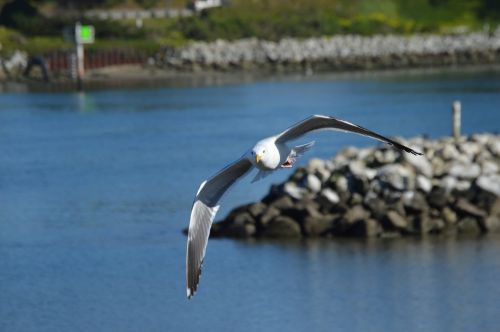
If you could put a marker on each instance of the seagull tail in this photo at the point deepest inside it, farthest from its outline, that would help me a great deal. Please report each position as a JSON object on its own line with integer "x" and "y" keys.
{"x": 301, "y": 149}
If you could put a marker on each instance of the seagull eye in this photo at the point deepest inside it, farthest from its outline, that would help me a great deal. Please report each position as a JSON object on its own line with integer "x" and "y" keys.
{"x": 263, "y": 151}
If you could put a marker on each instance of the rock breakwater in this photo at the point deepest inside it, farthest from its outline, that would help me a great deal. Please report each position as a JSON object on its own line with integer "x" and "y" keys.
{"x": 336, "y": 53}
{"x": 380, "y": 192}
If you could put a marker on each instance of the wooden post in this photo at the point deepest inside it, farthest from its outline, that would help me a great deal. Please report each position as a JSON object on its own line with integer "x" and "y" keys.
{"x": 456, "y": 110}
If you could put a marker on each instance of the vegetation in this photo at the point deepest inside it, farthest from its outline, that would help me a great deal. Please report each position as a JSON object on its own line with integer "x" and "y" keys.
{"x": 33, "y": 26}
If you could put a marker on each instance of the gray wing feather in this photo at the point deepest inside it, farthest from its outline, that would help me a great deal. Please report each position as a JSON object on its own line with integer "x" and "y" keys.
{"x": 202, "y": 215}
{"x": 318, "y": 122}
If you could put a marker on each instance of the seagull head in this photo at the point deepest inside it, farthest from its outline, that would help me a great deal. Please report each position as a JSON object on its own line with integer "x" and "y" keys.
{"x": 259, "y": 154}
{"x": 265, "y": 155}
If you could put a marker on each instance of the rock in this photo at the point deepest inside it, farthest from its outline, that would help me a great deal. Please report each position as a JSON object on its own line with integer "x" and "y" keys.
{"x": 489, "y": 224}
{"x": 269, "y": 214}
{"x": 448, "y": 184}
{"x": 423, "y": 184}
{"x": 257, "y": 209}
{"x": 396, "y": 176}
{"x": 317, "y": 226}
{"x": 243, "y": 219}
{"x": 330, "y": 196}
{"x": 313, "y": 183}
{"x": 282, "y": 203}
{"x": 489, "y": 183}
{"x": 360, "y": 171}
{"x": 468, "y": 208}
{"x": 328, "y": 199}
{"x": 365, "y": 228}
{"x": 238, "y": 211}
{"x": 356, "y": 184}
{"x": 318, "y": 167}
{"x": 414, "y": 202}
{"x": 241, "y": 227}
{"x": 376, "y": 205}
{"x": 294, "y": 191}
{"x": 438, "y": 197}
{"x": 274, "y": 193}
{"x": 471, "y": 149}
{"x": 395, "y": 220}
{"x": 449, "y": 216}
{"x": 489, "y": 167}
{"x": 420, "y": 164}
{"x": 465, "y": 171}
{"x": 494, "y": 147}
{"x": 281, "y": 226}
{"x": 468, "y": 225}
{"x": 341, "y": 184}
{"x": 462, "y": 185}
{"x": 423, "y": 224}
{"x": 356, "y": 213}
{"x": 449, "y": 152}
{"x": 387, "y": 156}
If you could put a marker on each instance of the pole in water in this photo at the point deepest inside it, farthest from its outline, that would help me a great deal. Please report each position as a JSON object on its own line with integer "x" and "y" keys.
{"x": 80, "y": 70}
{"x": 456, "y": 110}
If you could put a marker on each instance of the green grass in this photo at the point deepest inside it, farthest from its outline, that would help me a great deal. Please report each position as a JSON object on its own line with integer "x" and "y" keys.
{"x": 265, "y": 19}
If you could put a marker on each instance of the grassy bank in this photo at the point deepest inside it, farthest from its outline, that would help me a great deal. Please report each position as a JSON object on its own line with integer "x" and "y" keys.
{"x": 38, "y": 30}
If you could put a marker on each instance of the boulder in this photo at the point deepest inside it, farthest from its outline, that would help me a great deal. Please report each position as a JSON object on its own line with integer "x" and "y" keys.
{"x": 449, "y": 216}
{"x": 414, "y": 202}
{"x": 364, "y": 228}
{"x": 438, "y": 197}
{"x": 356, "y": 213}
{"x": 468, "y": 225}
{"x": 396, "y": 176}
{"x": 489, "y": 224}
{"x": 294, "y": 191}
{"x": 466, "y": 208}
{"x": 465, "y": 171}
{"x": 312, "y": 183}
{"x": 269, "y": 214}
{"x": 420, "y": 164}
{"x": 489, "y": 183}
{"x": 395, "y": 221}
{"x": 281, "y": 226}
{"x": 317, "y": 226}
{"x": 257, "y": 209}
{"x": 422, "y": 183}
{"x": 284, "y": 202}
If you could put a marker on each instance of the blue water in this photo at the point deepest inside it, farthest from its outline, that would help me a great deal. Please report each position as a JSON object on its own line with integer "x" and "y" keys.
{"x": 96, "y": 187}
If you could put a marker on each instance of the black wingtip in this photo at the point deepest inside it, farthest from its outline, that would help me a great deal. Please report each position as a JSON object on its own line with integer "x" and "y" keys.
{"x": 413, "y": 152}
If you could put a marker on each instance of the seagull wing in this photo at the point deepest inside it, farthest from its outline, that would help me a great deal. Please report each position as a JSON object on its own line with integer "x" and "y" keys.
{"x": 202, "y": 214}
{"x": 317, "y": 122}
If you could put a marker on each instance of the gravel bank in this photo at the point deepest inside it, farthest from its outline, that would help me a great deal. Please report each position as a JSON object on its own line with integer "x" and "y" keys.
{"x": 336, "y": 53}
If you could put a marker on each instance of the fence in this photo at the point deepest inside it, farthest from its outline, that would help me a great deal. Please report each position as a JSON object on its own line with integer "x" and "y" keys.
{"x": 61, "y": 61}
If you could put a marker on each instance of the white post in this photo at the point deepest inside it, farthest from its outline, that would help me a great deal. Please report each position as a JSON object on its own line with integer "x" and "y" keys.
{"x": 456, "y": 110}
{"x": 80, "y": 68}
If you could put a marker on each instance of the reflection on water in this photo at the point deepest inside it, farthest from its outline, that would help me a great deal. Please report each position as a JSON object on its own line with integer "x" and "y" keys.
{"x": 95, "y": 188}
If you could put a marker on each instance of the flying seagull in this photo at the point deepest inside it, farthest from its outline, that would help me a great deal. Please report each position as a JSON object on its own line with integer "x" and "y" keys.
{"x": 267, "y": 155}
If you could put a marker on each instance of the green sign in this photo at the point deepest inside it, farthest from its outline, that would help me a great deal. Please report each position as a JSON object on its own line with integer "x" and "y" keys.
{"x": 84, "y": 34}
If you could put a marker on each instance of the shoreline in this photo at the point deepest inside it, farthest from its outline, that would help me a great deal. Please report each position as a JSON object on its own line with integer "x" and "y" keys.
{"x": 219, "y": 62}
{"x": 138, "y": 76}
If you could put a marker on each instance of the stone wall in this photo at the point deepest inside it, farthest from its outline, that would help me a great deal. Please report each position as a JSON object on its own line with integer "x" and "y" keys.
{"x": 370, "y": 192}
{"x": 338, "y": 52}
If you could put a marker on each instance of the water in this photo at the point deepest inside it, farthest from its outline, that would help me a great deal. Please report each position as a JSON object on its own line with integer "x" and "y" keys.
{"x": 96, "y": 187}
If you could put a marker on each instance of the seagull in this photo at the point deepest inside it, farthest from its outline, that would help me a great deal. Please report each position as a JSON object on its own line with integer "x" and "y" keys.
{"x": 268, "y": 155}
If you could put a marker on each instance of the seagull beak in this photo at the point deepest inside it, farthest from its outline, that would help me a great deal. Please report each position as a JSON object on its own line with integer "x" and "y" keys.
{"x": 258, "y": 157}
